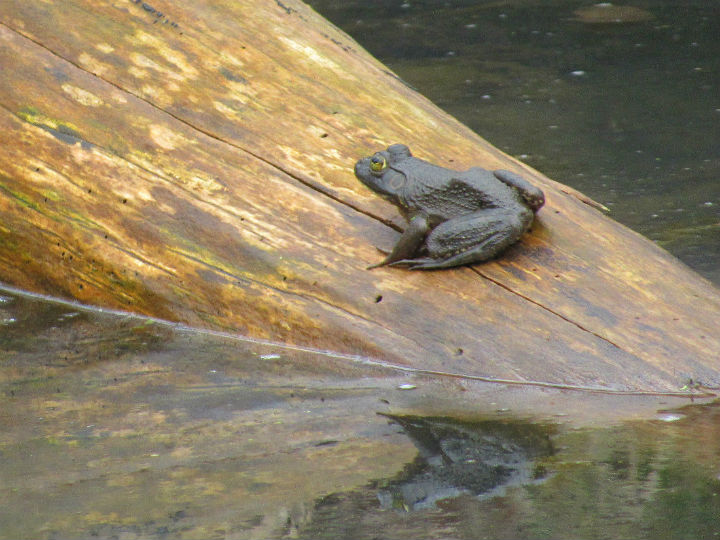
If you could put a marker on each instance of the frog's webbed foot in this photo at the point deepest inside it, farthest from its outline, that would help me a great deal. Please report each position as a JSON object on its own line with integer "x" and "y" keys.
{"x": 383, "y": 262}
{"x": 377, "y": 265}
{"x": 421, "y": 263}
{"x": 390, "y": 261}
{"x": 428, "y": 263}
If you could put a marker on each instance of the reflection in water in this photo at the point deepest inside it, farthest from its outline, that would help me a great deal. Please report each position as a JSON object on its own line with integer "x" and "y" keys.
{"x": 118, "y": 426}
{"x": 456, "y": 458}
{"x": 636, "y": 480}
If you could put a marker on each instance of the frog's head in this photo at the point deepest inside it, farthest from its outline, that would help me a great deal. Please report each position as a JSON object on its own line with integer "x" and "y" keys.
{"x": 377, "y": 171}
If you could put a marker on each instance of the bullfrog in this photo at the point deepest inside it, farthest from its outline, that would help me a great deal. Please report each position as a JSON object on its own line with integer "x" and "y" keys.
{"x": 454, "y": 217}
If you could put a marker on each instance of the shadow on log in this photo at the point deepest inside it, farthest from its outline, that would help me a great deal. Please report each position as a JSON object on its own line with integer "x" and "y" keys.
{"x": 193, "y": 162}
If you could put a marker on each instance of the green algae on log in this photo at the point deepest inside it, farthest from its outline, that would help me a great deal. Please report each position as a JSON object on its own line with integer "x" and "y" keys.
{"x": 194, "y": 162}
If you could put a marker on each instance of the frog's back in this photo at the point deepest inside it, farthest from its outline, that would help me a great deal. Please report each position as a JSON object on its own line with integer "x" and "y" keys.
{"x": 497, "y": 193}
{"x": 447, "y": 193}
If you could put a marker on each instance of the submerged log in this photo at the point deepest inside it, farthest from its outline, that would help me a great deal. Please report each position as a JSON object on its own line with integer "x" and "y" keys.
{"x": 193, "y": 162}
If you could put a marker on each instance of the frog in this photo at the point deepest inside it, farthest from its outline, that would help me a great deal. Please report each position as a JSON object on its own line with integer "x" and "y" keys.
{"x": 454, "y": 218}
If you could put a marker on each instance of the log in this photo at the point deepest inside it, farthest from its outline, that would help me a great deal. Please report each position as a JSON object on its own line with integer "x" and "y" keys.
{"x": 193, "y": 162}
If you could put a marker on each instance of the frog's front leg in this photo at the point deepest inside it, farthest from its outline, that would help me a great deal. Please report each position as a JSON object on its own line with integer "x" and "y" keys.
{"x": 409, "y": 243}
{"x": 534, "y": 197}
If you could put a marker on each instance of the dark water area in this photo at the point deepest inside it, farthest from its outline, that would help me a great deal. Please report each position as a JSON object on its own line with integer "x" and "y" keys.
{"x": 118, "y": 426}
{"x": 620, "y": 103}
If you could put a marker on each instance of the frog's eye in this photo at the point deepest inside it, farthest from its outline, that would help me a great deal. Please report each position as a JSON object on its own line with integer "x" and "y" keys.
{"x": 377, "y": 163}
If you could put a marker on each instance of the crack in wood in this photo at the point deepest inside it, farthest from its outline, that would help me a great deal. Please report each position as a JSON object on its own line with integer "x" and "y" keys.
{"x": 555, "y": 313}
{"x": 315, "y": 186}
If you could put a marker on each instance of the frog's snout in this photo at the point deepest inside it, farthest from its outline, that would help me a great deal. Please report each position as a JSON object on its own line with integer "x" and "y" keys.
{"x": 360, "y": 165}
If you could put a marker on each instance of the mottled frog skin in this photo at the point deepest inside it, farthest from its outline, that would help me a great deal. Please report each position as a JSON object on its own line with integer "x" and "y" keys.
{"x": 454, "y": 217}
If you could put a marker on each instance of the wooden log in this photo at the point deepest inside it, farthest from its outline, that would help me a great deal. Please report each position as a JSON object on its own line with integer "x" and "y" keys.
{"x": 194, "y": 162}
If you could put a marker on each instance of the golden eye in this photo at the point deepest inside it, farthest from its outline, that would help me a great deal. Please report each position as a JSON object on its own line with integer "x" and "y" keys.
{"x": 377, "y": 163}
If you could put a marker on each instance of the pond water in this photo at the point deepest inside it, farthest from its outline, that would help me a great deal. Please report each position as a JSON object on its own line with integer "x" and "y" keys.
{"x": 117, "y": 426}
{"x": 621, "y": 103}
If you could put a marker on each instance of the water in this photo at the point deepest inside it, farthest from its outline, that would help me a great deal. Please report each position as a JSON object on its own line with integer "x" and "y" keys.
{"x": 628, "y": 113}
{"x": 616, "y": 482}
{"x": 117, "y": 426}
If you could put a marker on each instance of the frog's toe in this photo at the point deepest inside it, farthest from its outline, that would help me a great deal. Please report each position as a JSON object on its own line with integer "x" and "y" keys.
{"x": 429, "y": 265}
{"x": 415, "y": 264}
{"x": 389, "y": 260}
{"x": 401, "y": 262}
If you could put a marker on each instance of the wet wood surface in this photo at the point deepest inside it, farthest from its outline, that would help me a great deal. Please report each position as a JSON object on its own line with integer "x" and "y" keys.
{"x": 193, "y": 162}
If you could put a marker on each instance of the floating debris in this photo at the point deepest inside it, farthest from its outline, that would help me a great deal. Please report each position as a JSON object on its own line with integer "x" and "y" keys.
{"x": 407, "y": 387}
{"x": 670, "y": 417}
{"x": 607, "y": 13}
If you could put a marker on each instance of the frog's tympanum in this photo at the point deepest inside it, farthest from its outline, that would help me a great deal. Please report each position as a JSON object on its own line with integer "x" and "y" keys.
{"x": 453, "y": 217}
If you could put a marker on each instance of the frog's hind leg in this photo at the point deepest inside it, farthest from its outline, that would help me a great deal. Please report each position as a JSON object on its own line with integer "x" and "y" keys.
{"x": 490, "y": 247}
{"x": 473, "y": 238}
